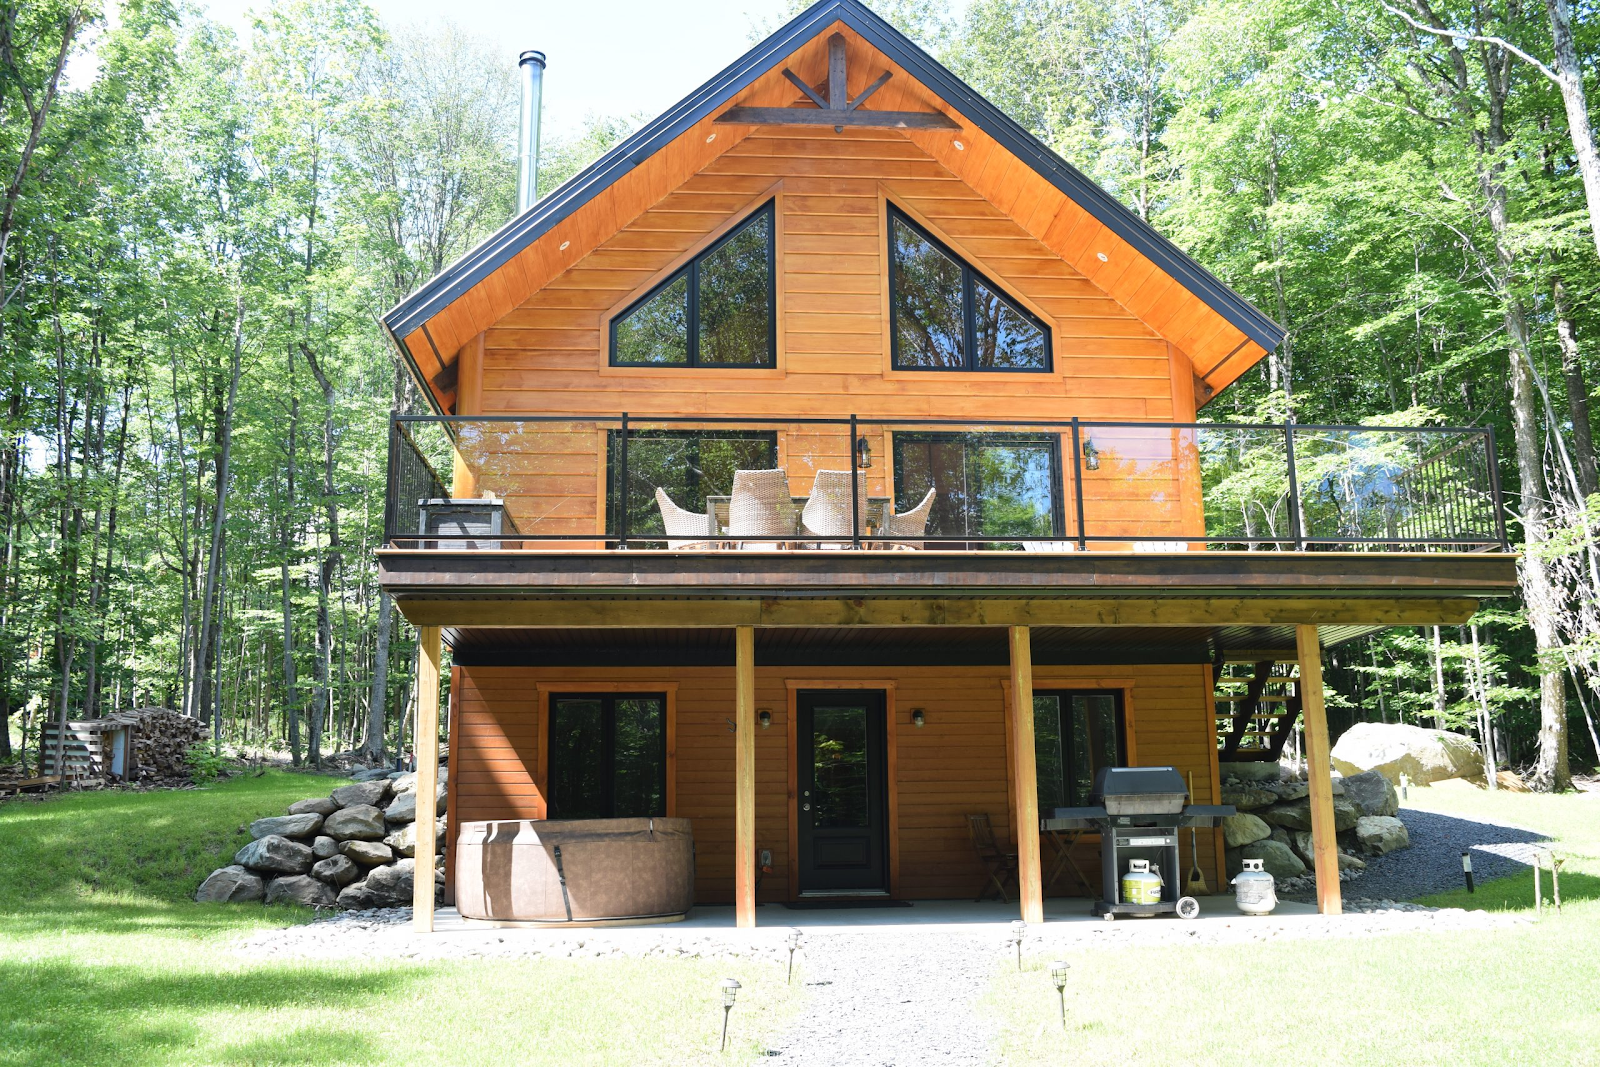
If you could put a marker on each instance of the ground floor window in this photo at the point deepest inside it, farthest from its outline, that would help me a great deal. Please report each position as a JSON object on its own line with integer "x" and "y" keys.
{"x": 608, "y": 755}
{"x": 1075, "y": 733}
{"x": 987, "y": 484}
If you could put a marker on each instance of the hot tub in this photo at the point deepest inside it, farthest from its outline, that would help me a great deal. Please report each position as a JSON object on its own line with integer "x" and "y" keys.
{"x": 579, "y": 872}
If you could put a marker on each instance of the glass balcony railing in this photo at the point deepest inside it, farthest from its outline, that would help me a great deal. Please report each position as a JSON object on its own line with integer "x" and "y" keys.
{"x": 691, "y": 483}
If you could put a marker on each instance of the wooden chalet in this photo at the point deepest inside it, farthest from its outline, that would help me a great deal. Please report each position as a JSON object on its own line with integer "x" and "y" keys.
{"x": 1002, "y": 551}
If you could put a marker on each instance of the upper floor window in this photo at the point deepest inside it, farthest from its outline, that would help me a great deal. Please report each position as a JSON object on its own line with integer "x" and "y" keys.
{"x": 717, "y": 310}
{"x": 947, "y": 316}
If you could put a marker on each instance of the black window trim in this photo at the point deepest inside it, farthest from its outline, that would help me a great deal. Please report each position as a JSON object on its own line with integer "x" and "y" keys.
{"x": 614, "y": 501}
{"x": 608, "y": 744}
{"x": 969, "y": 276}
{"x": 691, "y": 270}
{"x": 1117, "y": 696}
{"x": 1058, "y": 508}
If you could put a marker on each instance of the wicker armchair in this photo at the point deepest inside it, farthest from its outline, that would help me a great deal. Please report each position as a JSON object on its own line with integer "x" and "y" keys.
{"x": 908, "y": 524}
{"x": 1049, "y": 546}
{"x": 760, "y": 511}
{"x": 1161, "y": 546}
{"x": 677, "y": 521}
{"x": 827, "y": 510}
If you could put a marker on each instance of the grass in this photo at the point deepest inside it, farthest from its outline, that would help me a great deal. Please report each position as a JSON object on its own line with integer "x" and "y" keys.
{"x": 106, "y": 959}
{"x": 1518, "y": 995}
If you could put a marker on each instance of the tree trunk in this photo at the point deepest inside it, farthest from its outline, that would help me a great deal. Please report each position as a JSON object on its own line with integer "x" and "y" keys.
{"x": 1583, "y": 458}
{"x": 210, "y": 642}
{"x": 330, "y": 560}
{"x": 1569, "y": 78}
{"x": 291, "y": 697}
{"x": 378, "y": 705}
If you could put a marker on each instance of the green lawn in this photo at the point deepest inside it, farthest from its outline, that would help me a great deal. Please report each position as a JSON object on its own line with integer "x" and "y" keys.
{"x": 105, "y": 959}
{"x": 1523, "y": 995}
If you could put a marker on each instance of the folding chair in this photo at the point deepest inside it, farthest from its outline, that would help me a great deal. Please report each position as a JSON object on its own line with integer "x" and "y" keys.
{"x": 999, "y": 863}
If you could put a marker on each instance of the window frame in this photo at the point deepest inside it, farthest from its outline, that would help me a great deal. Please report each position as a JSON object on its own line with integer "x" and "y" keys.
{"x": 608, "y": 747}
{"x": 614, "y": 499}
{"x": 1058, "y": 509}
{"x": 691, "y": 271}
{"x": 1064, "y": 696}
{"x": 970, "y": 276}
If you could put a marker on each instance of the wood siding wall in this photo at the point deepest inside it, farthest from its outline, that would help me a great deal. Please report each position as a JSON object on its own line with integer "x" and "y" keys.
{"x": 954, "y": 765}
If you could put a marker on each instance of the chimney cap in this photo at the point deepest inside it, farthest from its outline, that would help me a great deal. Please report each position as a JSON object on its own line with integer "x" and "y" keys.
{"x": 531, "y": 56}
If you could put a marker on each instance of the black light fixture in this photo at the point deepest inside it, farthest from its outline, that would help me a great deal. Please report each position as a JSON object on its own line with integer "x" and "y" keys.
{"x": 1058, "y": 975}
{"x": 730, "y": 993}
{"x": 917, "y": 718}
{"x": 863, "y": 453}
{"x": 1091, "y": 455}
{"x": 764, "y": 716}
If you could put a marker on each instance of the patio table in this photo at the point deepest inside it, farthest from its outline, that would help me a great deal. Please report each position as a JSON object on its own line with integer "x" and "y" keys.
{"x": 1062, "y": 841}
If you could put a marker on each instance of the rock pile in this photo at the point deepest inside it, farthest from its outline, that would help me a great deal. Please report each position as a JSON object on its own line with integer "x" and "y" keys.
{"x": 1274, "y": 823}
{"x": 353, "y": 849}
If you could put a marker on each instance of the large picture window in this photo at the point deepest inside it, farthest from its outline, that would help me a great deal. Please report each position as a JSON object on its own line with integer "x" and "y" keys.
{"x": 689, "y": 464}
{"x": 1075, "y": 733}
{"x": 608, "y": 755}
{"x": 988, "y": 485}
{"x": 947, "y": 316}
{"x": 718, "y": 310}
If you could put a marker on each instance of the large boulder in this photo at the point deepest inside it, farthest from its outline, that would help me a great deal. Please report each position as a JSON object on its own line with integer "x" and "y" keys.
{"x": 404, "y": 840}
{"x": 1304, "y": 846}
{"x": 390, "y": 887}
{"x": 371, "y": 774}
{"x": 403, "y": 808}
{"x": 353, "y": 897}
{"x": 291, "y": 826}
{"x": 360, "y": 793}
{"x": 1393, "y": 749}
{"x": 1250, "y": 771}
{"x": 1296, "y": 814}
{"x": 1379, "y": 834}
{"x": 325, "y": 847}
{"x": 1243, "y": 828}
{"x": 275, "y": 854}
{"x": 300, "y": 889}
{"x": 405, "y": 783}
{"x": 1247, "y": 797}
{"x": 323, "y": 806}
{"x": 367, "y": 853}
{"x": 359, "y": 822}
{"x": 1372, "y": 793}
{"x": 230, "y": 885}
{"x": 1278, "y": 858}
{"x": 338, "y": 871}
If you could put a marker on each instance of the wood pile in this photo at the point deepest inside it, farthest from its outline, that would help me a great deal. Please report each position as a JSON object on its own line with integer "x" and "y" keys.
{"x": 161, "y": 737}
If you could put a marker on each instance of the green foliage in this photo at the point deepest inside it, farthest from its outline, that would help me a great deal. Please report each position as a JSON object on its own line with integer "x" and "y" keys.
{"x": 204, "y": 765}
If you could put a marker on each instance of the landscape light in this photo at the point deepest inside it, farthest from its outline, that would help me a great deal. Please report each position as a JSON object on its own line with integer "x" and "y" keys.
{"x": 1058, "y": 975}
{"x": 1018, "y": 929}
{"x": 794, "y": 943}
{"x": 730, "y": 993}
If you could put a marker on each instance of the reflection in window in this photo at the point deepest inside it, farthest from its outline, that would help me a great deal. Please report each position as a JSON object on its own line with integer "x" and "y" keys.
{"x": 986, "y": 485}
{"x": 949, "y": 317}
{"x": 689, "y": 464}
{"x": 839, "y": 768}
{"x": 608, "y": 755}
{"x": 1075, "y": 734}
{"x": 717, "y": 311}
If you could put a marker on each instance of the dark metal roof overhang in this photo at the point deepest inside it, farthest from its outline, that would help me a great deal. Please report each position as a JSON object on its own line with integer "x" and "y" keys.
{"x": 480, "y": 262}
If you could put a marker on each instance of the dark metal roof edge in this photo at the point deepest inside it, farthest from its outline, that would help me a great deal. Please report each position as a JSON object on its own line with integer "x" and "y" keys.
{"x": 496, "y": 250}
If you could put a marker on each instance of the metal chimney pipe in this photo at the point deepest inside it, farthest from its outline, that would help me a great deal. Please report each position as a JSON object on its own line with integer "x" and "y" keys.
{"x": 530, "y": 69}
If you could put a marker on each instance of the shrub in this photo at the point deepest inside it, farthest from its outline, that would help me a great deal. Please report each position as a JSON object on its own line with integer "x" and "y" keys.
{"x": 204, "y": 765}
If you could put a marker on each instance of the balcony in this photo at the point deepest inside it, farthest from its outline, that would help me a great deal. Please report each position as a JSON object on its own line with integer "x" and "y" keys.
{"x": 558, "y": 484}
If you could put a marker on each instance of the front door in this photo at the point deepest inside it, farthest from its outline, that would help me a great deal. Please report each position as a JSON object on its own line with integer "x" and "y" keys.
{"x": 843, "y": 805}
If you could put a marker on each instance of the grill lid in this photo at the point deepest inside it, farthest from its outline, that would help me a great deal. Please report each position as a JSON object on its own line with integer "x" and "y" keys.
{"x": 1139, "y": 790}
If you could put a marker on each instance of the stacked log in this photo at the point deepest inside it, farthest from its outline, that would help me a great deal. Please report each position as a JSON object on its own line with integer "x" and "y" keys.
{"x": 160, "y": 739}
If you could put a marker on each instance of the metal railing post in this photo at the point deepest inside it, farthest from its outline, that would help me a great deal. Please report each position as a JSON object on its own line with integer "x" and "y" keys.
{"x": 1297, "y": 534}
{"x": 622, "y": 488}
{"x": 1077, "y": 483}
{"x": 392, "y": 479}
{"x": 855, "y": 490}
{"x": 1493, "y": 459}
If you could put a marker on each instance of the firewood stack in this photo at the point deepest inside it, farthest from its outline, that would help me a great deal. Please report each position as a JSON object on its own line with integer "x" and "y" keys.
{"x": 161, "y": 737}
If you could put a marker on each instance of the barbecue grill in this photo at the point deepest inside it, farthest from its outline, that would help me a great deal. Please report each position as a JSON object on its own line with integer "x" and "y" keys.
{"x": 1138, "y": 812}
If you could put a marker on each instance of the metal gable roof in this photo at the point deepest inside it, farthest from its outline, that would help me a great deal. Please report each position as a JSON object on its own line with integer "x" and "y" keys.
{"x": 473, "y": 267}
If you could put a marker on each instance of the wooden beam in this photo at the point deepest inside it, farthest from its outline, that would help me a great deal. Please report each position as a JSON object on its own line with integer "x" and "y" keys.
{"x": 744, "y": 778}
{"x": 838, "y": 95}
{"x": 811, "y": 94}
{"x": 805, "y": 116}
{"x": 938, "y": 611}
{"x": 427, "y": 748}
{"x": 1324, "y": 840}
{"x": 1025, "y": 806}
{"x": 883, "y": 80}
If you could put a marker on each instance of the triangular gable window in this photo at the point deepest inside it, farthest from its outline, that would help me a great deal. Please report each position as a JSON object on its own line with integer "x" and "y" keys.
{"x": 718, "y": 310}
{"x": 947, "y": 316}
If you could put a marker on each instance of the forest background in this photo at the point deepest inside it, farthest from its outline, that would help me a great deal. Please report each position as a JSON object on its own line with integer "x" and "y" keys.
{"x": 196, "y": 242}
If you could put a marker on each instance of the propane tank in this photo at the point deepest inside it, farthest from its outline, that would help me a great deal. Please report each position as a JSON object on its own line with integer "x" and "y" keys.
{"x": 1141, "y": 885}
{"x": 1255, "y": 891}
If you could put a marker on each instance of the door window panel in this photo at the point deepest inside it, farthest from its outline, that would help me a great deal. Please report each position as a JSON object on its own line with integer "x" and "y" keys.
{"x": 839, "y": 754}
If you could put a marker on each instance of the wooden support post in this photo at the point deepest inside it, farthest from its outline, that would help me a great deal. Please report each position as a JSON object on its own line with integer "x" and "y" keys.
{"x": 427, "y": 747}
{"x": 1324, "y": 841}
{"x": 744, "y": 777}
{"x": 1025, "y": 828}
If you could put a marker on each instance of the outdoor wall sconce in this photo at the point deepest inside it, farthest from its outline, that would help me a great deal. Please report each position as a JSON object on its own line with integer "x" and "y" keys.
{"x": 863, "y": 453}
{"x": 1091, "y": 455}
{"x": 764, "y": 716}
{"x": 917, "y": 718}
